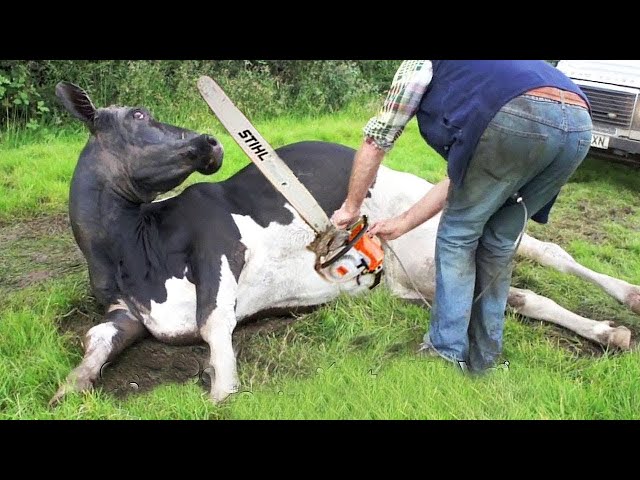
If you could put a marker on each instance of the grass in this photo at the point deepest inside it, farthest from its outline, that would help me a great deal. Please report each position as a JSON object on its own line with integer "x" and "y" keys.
{"x": 352, "y": 359}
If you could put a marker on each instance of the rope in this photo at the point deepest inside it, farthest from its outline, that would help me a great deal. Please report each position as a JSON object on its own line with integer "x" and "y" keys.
{"x": 415, "y": 288}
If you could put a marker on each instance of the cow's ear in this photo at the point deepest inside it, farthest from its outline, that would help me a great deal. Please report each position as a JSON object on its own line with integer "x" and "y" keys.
{"x": 77, "y": 102}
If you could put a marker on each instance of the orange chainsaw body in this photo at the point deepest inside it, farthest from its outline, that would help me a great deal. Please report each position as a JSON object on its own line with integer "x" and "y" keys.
{"x": 362, "y": 253}
{"x": 370, "y": 247}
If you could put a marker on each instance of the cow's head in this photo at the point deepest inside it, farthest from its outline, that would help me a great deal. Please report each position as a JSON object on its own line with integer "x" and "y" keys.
{"x": 137, "y": 155}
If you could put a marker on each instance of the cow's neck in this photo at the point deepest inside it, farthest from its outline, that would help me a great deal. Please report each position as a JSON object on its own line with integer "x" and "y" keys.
{"x": 108, "y": 228}
{"x": 97, "y": 211}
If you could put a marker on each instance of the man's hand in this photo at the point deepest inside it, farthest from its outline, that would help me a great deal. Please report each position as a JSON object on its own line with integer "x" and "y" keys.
{"x": 424, "y": 209}
{"x": 365, "y": 166}
{"x": 345, "y": 216}
{"x": 389, "y": 229}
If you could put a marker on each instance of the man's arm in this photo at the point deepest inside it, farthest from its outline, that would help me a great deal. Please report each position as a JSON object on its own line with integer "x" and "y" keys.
{"x": 409, "y": 84}
{"x": 423, "y": 210}
{"x": 427, "y": 206}
{"x": 365, "y": 166}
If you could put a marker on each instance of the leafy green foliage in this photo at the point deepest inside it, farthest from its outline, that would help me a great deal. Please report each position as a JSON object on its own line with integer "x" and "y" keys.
{"x": 261, "y": 88}
{"x": 20, "y": 97}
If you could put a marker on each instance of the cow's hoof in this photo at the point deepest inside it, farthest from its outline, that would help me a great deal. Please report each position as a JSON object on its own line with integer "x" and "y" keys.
{"x": 219, "y": 395}
{"x": 633, "y": 300}
{"x": 620, "y": 338}
{"x": 71, "y": 385}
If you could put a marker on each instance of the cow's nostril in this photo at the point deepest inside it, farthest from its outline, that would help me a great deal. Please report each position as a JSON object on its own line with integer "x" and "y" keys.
{"x": 212, "y": 141}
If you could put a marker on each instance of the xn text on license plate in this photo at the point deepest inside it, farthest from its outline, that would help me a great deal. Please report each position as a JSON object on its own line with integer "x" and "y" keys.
{"x": 599, "y": 141}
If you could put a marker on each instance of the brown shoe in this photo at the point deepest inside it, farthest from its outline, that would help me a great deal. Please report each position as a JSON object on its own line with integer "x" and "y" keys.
{"x": 427, "y": 350}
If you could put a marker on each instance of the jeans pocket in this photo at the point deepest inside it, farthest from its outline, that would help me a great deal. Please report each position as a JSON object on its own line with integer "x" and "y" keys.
{"x": 518, "y": 126}
{"x": 584, "y": 145}
{"x": 508, "y": 153}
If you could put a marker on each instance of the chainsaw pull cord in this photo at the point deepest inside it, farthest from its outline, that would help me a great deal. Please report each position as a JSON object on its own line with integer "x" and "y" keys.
{"x": 386, "y": 244}
{"x": 517, "y": 199}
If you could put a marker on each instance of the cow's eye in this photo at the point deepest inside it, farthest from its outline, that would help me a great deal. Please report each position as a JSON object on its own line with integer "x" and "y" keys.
{"x": 138, "y": 115}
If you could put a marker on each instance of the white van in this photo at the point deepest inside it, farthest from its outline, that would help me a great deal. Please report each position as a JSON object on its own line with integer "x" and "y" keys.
{"x": 613, "y": 87}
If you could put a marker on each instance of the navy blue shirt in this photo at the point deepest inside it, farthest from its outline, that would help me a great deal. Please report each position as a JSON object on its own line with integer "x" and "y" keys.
{"x": 464, "y": 95}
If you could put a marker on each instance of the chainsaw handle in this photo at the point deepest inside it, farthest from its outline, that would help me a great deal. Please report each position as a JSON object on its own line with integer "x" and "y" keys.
{"x": 350, "y": 243}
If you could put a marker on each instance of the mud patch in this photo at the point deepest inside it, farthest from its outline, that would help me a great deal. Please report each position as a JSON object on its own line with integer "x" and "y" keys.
{"x": 149, "y": 363}
{"x": 36, "y": 250}
{"x": 586, "y": 220}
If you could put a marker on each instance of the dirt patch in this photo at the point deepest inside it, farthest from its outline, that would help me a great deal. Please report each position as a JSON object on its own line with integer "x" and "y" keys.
{"x": 149, "y": 363}
{"x": 37, "y": 249}
{"x": 588, "y": 225}
{"x": 40, "y": 226}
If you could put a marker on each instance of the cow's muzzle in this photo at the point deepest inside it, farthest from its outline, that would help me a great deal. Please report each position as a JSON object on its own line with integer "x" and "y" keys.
{"x": 213, "y": 154}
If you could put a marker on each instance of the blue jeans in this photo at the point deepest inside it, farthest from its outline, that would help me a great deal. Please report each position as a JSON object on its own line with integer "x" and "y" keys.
{"x": 532, "y": 146}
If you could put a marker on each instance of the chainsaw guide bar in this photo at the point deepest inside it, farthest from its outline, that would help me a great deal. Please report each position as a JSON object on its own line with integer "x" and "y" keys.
{"x": 263, "y": 155}
{"x": 340, "y": 255}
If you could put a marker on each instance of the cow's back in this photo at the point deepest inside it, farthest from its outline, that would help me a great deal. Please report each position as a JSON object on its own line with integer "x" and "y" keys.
{"x": 322, "y": 167}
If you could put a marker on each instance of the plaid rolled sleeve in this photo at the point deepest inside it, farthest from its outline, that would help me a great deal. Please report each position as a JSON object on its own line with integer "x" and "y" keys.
{"x": 409, "y": 84}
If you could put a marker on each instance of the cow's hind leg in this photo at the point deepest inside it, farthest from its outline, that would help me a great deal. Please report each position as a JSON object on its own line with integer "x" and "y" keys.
{"x": 216, "y": 320}
{"x": 102, "y": 344}
{"x": 535, "y": 306}
{"x": 552, "y": 255}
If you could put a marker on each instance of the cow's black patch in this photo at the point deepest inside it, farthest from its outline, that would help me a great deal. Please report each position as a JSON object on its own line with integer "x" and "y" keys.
{"x": 323, "y": 168}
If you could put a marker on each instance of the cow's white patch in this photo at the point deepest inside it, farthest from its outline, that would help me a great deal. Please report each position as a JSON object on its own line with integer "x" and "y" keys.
{"x": 394, "y": 192}
{"x": 278, "y": 271}
{"x": 99, "y": 344}
{"x": 228, "y": 288}
{"x": 102, "y": 334}
{"x": 176, "y": 316}
{"x": 600, "y": 328}
{"x": 410, "y": 266}
{"x": 217, "y": 332}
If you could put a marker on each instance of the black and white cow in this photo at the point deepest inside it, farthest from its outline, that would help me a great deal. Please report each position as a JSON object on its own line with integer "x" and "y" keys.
{"x": 190, "y": 267}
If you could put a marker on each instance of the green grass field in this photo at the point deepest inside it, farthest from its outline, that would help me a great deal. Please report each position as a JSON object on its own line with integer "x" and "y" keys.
{"x": 352, "y": 359}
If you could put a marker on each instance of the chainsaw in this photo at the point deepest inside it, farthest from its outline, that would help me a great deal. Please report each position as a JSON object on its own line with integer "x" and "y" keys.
{"x": 341, "y": 255}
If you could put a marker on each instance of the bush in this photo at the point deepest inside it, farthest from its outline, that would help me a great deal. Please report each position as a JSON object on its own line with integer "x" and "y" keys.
{"x": 20, "y": 96}
{"x": 261, "y": 88}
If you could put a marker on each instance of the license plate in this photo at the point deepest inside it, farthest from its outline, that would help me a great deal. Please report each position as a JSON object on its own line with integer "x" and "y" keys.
{"x": 600, "y": 141}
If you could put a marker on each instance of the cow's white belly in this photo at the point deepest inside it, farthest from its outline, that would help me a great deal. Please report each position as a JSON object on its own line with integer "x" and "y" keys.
{"x": 175, "y": 318}
{"x": 392, "y": 194}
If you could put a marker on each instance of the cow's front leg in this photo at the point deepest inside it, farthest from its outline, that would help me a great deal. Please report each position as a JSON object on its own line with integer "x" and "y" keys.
{"x": 217, "y": 332}
{"x": 102, "y": 344}
{"x": 216, "y": 321}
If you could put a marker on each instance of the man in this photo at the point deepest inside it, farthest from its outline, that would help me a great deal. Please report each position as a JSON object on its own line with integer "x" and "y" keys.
{"x": 512, "y": 132}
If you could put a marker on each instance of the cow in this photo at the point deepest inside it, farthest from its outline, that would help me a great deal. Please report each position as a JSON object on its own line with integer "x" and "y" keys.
{"x": 188, "y": 268}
